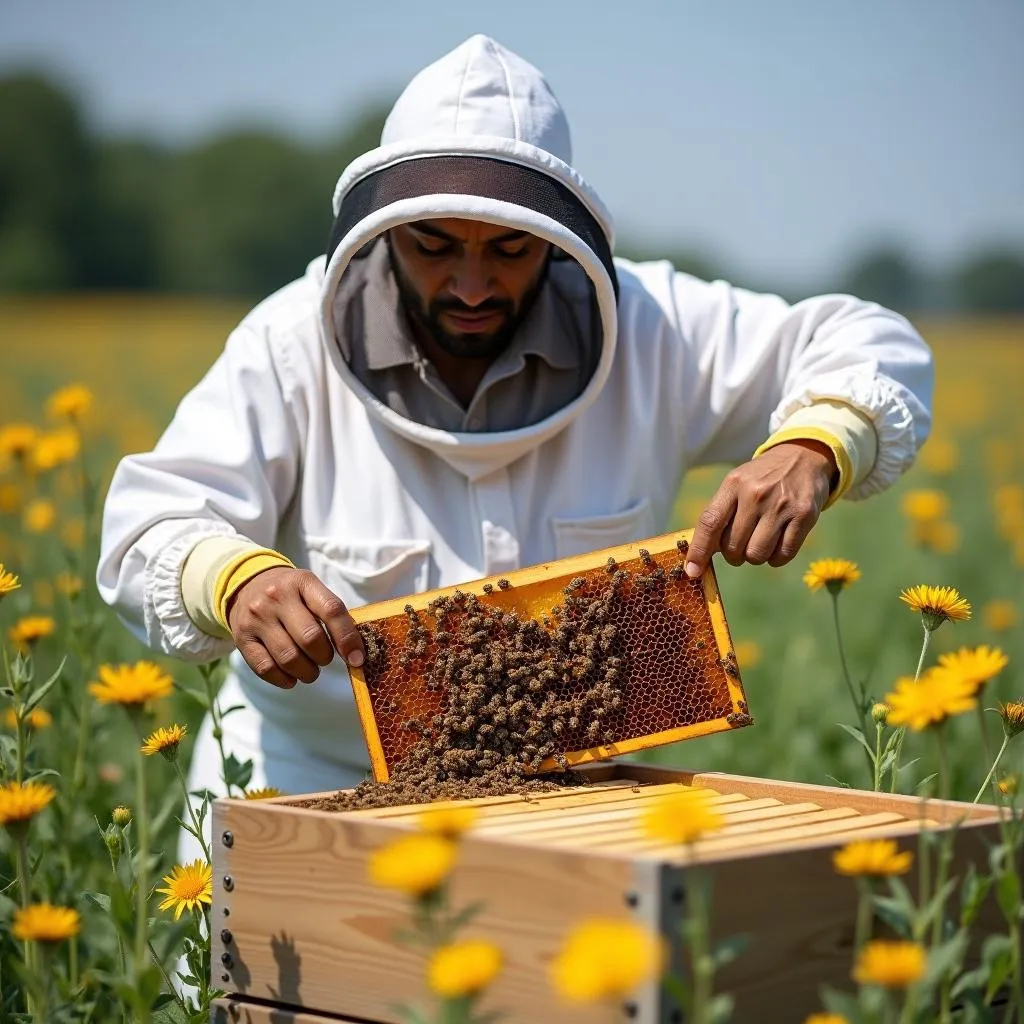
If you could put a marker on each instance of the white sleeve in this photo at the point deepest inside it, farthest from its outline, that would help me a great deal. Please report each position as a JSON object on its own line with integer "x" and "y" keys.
{"x": 753, "y": 360}
{"x": 226, "y": 466}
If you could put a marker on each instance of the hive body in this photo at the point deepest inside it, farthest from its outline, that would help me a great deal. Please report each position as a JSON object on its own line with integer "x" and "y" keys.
{"x": 306, "y": 931}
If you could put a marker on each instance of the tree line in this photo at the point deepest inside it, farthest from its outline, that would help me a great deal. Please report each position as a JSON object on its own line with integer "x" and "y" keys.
{"x": 243, "y": 212}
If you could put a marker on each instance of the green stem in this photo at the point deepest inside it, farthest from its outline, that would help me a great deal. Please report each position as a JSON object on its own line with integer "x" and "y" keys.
{"x": 865, "y": 914}
{"x": 25, "y": 885}
{"x": 903, "y": 732}
{"x": 986, "y": 740}
{"x": 700, "y": 954}
{"x": 946, "y": 847}
{"x": 141, "y": 872}
{"x": 858, "y": 705}
{"x": 878, "y": 756}
{"x": 78, "y": 773}
{"x": 167, "y": 981}
{"x": 218, "y": 731}
{"x": 19, "y": 767}
{"x": 992, "y": 770}
{"x": 191, "y": 811}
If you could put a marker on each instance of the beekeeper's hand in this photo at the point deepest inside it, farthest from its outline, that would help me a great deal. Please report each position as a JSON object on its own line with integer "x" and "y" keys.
{"x": 287, "y": 625}
{"x": 764, "y": 509}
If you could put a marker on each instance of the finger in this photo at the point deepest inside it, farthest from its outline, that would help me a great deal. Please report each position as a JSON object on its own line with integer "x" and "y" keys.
{"x": 331, "y": 611}
{"x": 737, "y": 533}
{"x": 258, "y": 658}
{"x": 288, "y": 655}
{"x": 764, "y": 540}
{"x": 792, "y": 539}
{"x": 708, "y": 531}
{"x": 308, "y": 632}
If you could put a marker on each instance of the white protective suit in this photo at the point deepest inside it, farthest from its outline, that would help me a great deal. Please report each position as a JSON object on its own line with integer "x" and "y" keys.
{"x": 281, "y": 446}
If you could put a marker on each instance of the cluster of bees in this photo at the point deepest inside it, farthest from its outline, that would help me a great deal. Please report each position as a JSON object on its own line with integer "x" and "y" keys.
{"x": 514, "y": 692}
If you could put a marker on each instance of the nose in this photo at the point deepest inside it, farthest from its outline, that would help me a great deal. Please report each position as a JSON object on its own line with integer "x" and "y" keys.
{"x": 470, "y": 282}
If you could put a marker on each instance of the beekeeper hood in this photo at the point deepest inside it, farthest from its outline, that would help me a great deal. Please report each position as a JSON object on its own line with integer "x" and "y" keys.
{"x": 478, "y": 135}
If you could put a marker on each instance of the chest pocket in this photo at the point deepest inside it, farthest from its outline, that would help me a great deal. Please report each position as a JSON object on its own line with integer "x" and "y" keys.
{"x": 580, "y": 535}
{"x": 368, "y": 571}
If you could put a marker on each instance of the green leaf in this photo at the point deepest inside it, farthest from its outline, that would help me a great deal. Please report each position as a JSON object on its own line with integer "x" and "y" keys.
{"x": 100, "y": 899}
{"x": 946, "y": 958}
{"x": 720, "y": 1008}
{"x": 997, "y": 955}
{"x": 729, "y": 949}
{"x": 40, "y": 692}
{"x": 859, "y": 737}
{"x": 1008, "y": 894}
{"x": 196, "y": 695}
{"x": 233, "y": 708}
{"x": 972, "y": 895}
{"x": 842, "y": 1003}
{"x": 237, "y": 773}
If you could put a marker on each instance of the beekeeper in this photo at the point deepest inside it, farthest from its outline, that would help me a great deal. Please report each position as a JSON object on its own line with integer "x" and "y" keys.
{"x": 466, "y": 383}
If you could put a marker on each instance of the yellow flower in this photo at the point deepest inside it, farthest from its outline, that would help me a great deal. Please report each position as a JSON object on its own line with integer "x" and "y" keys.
{"x": 266, "y": 793}
{"x": 833, "y": 573}
{"x": 936, "y": 605}
{"x": 30, "y": 630}
{"x": 999, "y": 616}
{"x": 8, "y": 582}
{"x": 38, "y": 718}
{"x": 1009, "y": 784}
{"x": 748, "y": 653}
{"x": 71, "y": 402}
{"x": 56, "y": 448}
{"x": 463, "y": 968}
{"x": 606, "y": 959}
{"x": 924, "y": 506}
{"x": 416, "y": 864}
{"x": 873, "y": 858}
{"x": 17, "y": 439}
{"x": 43, "y": 922}
{"x": 939, "y": 456}
{"x": 880, "y": 713}
{"x": 449, "y": 822}
{"x": 21, "y": 802}
{"x": 69, "y": 584}
{"x": 132, "y": 685}
{"x": 39, "y": 515}
{"x": 10, "y": 497}
{"x": 1012, "y": 714}
{"x": 975, "y": 667}
{"x": 826, "y": 1018}
{"x": 164, "y": 741}
{"x": 890, "y": 964}
{"x": 938, "y": 695}
{"x": 940, "y": 536}
{"x": 681, "y": 817}
{"x": 121, "y": 815}
{"x": 188, "y": 886}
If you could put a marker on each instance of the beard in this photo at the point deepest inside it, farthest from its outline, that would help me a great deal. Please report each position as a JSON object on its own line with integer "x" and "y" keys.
{"x": 466, "y": 345}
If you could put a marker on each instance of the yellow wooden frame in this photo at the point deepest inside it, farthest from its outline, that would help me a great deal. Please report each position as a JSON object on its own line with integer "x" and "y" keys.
{"x": 545, "y": 582}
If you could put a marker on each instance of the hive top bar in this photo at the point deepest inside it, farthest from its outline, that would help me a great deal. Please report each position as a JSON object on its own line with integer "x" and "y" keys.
{"x": 575, "y": 660}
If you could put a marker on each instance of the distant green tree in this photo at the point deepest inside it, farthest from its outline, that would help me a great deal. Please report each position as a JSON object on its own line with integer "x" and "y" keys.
{"x": 47, "y": 167}
{"x": 889, "y": 276}
{"x": 991, "y": 282}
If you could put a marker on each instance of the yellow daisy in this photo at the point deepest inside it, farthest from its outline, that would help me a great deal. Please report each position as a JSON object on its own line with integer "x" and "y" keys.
{"x": 880, "y": 713}
{"x": 938, "y": 695}
{"x": 38, "y": 718}
{"x": 30, "y": 630}
{"x": 20, "y": 802}
{"x": 56, "y": 448}
{"x": 416, "y": 865}
{"x": 449, "y": 822}
{"x": 188, "y": 886}
{"x": 43, "y": 922}
{"x": 71, "y": 402}
{"x": 266, "y": 793}
{"x": 890, "y": 964}
{"x": 463, "y": 968}
{"x": 999, "y": 616}
{"x": 164, "y": 741}
{"x": 131, "y": 685}
{"x": 681, "y": 817}
{"x": 605, "y": 959}
{"x": 17, "y": 439}
{"x": 873, "y": 858}
{"x": 8, "y": 582}
{"x": 826, "y": 1018}
{"x": 925, "y": 506}
{"x": 39, "y": 515}
{"x": 1012, "y": 714}
{"x": 833, "y": 573}
{"x": 975, "y": 667}
{"x": 936, "y": 605}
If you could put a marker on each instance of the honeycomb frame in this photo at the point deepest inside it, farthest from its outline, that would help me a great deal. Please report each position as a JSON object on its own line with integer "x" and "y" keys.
{"x": 532, "y": 592}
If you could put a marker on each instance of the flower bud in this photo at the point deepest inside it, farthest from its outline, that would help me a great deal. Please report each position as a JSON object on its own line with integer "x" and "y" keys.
{"x": 115, "y": 844}
{"x": 880, "y": 713}
{"x": 1008, "y": 785}
{"x": 122, "y": 815}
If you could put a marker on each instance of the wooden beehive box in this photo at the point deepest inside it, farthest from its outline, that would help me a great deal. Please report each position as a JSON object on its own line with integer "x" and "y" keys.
{"x": 300, "y": 935}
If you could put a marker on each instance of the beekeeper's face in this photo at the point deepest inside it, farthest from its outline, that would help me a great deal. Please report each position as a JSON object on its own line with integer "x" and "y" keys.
{"x": 469, "y": 284}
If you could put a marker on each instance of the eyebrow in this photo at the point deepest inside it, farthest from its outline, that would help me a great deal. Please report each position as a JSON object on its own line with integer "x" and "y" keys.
{"x": 427, "y": 229}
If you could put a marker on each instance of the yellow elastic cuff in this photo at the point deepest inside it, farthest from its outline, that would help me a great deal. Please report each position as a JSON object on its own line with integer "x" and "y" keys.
{"x": 809, "y": 433}
{"x": 238, "y": 572}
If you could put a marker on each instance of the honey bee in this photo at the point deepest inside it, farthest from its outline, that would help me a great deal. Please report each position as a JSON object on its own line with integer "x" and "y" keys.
{"x": 488, "y": 588}
{"x": 504, "y": 584}
{"x": 682, "y": 546}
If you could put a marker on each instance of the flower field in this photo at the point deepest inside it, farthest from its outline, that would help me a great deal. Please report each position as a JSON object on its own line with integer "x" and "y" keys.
{"x": 94, "y": 729}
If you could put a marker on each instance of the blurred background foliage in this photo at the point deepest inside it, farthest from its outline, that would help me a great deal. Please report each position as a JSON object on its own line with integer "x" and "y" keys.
{"x": 80, "y": 210}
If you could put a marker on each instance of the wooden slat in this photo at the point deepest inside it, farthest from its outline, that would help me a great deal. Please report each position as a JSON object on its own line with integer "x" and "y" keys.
{"x": 235, "y": 1011}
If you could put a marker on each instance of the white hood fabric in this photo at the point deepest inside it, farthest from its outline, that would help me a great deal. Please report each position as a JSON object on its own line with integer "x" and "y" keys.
{"x": 281, "y": 446}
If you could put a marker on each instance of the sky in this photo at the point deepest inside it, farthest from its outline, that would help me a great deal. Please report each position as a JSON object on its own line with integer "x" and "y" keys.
{"x": 781, "y": 137}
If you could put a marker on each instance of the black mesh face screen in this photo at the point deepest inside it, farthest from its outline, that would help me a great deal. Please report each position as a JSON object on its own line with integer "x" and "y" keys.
{"x": 472, "y": 176}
